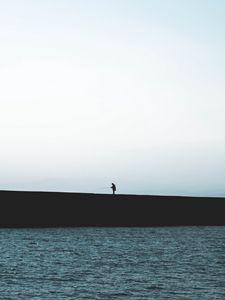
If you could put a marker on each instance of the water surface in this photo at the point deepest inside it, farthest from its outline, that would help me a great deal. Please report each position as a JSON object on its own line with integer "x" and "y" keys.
{"x": 113, "y": 263}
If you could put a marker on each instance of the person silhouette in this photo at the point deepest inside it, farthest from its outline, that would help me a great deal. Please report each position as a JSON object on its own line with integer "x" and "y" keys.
{"x": 113, "y": 187}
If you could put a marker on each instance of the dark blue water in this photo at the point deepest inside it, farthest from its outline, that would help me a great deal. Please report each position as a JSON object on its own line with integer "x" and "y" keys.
{"x": 113, "y": 263}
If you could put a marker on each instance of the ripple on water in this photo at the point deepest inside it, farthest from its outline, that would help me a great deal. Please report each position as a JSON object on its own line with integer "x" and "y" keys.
{"x": 113, "y": 263}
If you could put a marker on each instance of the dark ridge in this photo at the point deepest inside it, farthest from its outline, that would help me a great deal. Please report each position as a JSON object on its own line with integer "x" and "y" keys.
{"x": 53, "y": 209}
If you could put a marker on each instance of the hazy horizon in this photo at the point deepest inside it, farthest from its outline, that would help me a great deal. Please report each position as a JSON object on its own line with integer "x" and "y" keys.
{"x": 131, "y": 92}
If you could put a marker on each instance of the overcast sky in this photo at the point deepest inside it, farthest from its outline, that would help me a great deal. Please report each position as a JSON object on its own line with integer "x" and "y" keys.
{"x": 124, "y": 91}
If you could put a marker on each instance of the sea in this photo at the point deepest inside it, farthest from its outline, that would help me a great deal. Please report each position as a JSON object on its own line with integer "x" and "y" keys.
{"x": 113, "y": 263}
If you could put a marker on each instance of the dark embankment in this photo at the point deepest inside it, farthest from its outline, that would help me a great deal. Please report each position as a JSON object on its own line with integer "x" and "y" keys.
{"x": 49, "y": 209}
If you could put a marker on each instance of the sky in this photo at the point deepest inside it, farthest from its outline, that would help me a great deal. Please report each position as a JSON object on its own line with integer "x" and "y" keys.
{"x": 124, "y": 91}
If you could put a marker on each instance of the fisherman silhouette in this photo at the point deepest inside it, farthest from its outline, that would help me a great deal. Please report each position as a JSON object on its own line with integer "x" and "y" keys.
{"x": 113, "y": 187}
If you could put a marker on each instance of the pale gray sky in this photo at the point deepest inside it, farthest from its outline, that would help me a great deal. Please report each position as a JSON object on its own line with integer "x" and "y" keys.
{"x": 130, "y": 91}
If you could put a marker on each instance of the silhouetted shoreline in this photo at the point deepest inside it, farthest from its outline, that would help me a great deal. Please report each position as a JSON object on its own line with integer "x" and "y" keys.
{"x": 54, "y": 209}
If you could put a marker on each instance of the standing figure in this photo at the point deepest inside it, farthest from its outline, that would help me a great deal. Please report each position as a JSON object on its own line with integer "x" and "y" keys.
{"x": 113, "y": 187}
